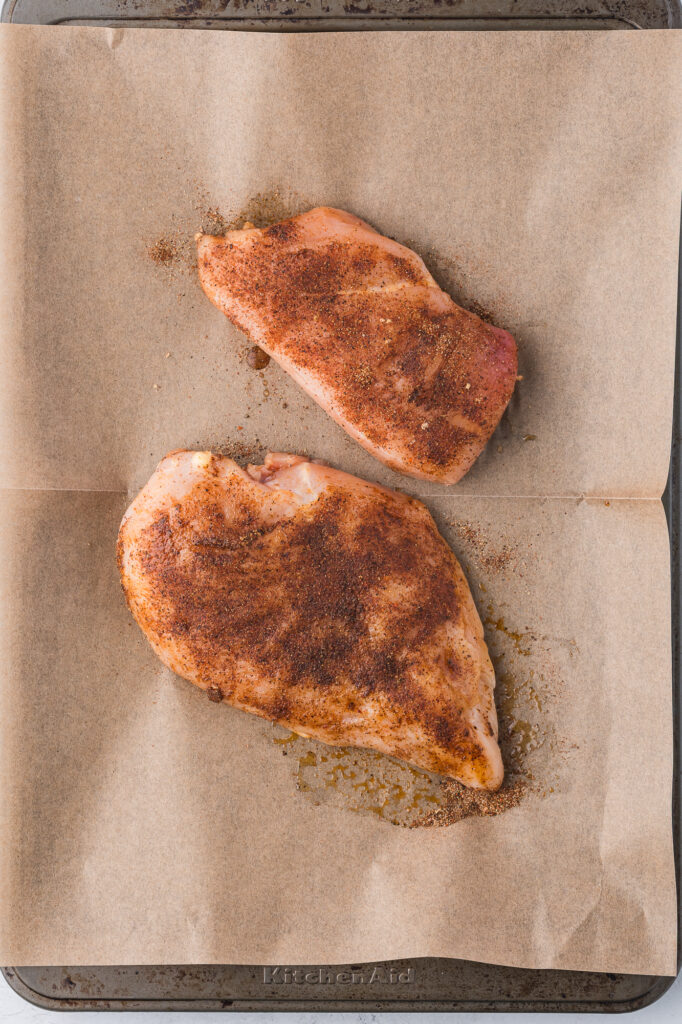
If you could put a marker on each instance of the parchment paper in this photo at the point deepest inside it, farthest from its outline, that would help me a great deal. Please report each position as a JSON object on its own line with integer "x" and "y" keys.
{"x": 539, "y": 176}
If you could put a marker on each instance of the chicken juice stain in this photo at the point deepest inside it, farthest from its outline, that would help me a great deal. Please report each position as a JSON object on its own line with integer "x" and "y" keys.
{"x": 369, "y": 783}
{"x": 363, "y": 781}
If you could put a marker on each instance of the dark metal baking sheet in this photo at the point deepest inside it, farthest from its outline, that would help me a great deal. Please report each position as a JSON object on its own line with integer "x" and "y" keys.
{"x": 359, "y": 15}
{"x": 421, "y": 984}
{"x": 438, "y": 985}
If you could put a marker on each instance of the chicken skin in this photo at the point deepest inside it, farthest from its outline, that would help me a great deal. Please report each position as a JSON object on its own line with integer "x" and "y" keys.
{"x": 317, "y": 600}
{"x": 360, "y": 324}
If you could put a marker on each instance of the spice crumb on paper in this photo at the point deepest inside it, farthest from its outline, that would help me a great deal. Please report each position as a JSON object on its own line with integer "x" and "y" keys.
{"x": 498, "y": 557}
{"x": 163, "y": 252}
{"x": 173, "y": 252}
{"x": 242, "y": 452}
{"x": 259, "y": 210}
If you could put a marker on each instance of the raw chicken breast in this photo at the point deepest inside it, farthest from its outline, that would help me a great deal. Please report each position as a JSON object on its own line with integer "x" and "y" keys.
{"x": 317, "y": 600}
{"x": 359, "y": 322}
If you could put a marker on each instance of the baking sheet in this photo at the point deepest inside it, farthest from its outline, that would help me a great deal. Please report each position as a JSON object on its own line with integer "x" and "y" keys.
{"x": 537, "y": 174}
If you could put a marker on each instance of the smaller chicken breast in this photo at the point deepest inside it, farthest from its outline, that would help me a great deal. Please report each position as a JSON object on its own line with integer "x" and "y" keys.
{"x": 361, "y": 325}
{"x": 317, "y": 600}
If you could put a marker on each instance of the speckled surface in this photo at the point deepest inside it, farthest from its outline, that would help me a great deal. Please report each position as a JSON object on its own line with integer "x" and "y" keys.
{"x": 14, "y": 1010}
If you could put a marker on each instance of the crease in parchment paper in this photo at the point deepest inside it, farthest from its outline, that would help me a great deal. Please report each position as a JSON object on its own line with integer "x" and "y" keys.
{"x": 538, "y": 174}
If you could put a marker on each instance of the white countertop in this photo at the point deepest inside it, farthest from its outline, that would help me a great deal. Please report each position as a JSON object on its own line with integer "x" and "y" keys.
{"x": 14, "y": 1010}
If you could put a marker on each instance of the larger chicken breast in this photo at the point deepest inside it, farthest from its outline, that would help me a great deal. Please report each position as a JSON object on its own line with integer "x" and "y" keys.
{"x": 312, "y": 598}
{"x": 359, "y": 322}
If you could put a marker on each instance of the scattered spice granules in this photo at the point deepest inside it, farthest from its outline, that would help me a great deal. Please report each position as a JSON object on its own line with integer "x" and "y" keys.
{"x": 163, "y": 252}
{"x": 495, "y": 560}
{"x": 461, "y": 802}
{"x": 175, "y": 253}
{"x": 213, "y": 222}
{"x": 240, "y": 451}
{"x": 260, "y": 210}
{"x": 269, "y": 207}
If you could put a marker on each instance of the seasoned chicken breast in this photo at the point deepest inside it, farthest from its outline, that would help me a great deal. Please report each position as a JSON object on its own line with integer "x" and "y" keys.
{"x": 317, "y": 600}
{"x": 359, "y": 322}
